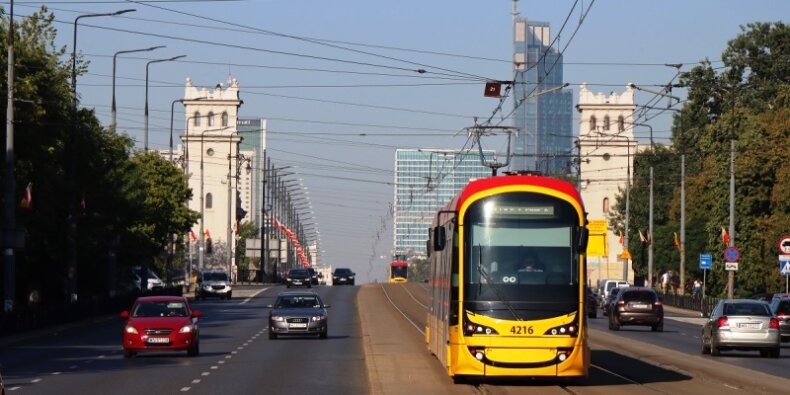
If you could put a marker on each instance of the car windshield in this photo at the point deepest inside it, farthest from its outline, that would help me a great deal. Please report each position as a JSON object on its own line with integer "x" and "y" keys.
{"x": 215, "y": 276}
{"x": 160, "y": 309}
{"x": 746, "y": 309}
{"x": 298, "y": 301}
{"x": 298, "y": 272}
{"x": 783, "y": 308}
{"x": 342, "y": 272}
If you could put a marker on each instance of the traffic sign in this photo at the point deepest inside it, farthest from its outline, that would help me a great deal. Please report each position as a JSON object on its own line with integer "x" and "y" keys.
{"x": 625, "y": 255}
{"x": 705, "y": 261}
{"x": 732, "y": 254}
{"x": 733, "y": 266}
{"x": 784, "y": 245}
{"x": 784, "y": 268}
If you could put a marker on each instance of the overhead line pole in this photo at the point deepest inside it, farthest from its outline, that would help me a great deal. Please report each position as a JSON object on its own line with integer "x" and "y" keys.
{"x": 9, "y": 257}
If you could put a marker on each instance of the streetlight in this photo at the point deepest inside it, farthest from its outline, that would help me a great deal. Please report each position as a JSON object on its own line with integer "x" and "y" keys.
{"x": 112, "y": 121}
{"x": 145, "y": 136}
{"x": 71, "y": 233}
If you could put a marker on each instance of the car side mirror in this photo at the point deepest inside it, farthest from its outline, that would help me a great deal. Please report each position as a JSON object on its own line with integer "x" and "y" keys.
{"x": 125, "y": 314}
{"x": 584, "y": 236}
{"x": 197, "y": 313}
{"x": 439, "y": 238}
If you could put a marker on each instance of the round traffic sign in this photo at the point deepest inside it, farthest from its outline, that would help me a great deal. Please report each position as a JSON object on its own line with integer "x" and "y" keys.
{"x": 784, "y": 245}
{"x": 731, "y": 254}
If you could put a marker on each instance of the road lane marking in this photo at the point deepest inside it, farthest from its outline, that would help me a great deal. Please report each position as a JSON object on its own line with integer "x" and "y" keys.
{"x": 36, "y": 380}
{"x": 228, "y": 356}
{"x": 55, "y": 373}
{"x": 73, "y": 367}
{"x": 184, "y": 389}
{"x": 214, "y": 367}
{"x": 253, "y": 295}
{"x": 196, "y": 381}
{"x": 14, "y": 388}
{"x": 205, "y": 373}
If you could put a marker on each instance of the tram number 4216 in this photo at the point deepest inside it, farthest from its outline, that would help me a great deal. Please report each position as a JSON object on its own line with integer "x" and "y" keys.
{"x": 521, "y": 330}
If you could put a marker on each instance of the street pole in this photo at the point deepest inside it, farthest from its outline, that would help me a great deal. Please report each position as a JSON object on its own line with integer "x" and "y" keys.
{"x": 9, "y": 257}
{"x": 113, "y": 124}
{"x": 145, "y": 129}
{"x": 71, "y": 168}
{"x": 650, "y": 230}
{"x": 731, "y": 273}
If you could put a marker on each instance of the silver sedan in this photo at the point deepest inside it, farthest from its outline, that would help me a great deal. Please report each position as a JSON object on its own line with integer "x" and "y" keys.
{"x": 741, "y": 324}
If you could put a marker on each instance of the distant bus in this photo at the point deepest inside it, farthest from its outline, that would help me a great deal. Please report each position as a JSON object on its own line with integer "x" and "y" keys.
{"x": 507, "y": 280}
{"x": 399, "y": 272}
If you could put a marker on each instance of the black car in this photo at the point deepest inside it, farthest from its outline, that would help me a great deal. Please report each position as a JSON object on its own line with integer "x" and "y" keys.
{"x": 607, "y": 303}
{"x": 298, "y": 313}
{"x": 591, "y": 304}
{"x": 313, "y": 276}
{"x": 780, "y": 308}
{"x": 298, "y": 278}
{"x": 343, "y": 275}
{"x": 636, "y": 306}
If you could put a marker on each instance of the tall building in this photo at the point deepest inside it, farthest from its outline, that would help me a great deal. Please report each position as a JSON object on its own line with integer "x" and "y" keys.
{"x": 425, "y": 180}
{"x": 543, "y": 111}
{"x": 253, "y": 134}
{"x": 211, "y": 148}
{"x": 606, "y": 152}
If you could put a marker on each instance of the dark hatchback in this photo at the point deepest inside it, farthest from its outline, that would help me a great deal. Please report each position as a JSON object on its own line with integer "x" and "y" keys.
{"x": 343, "y": 276}
{"x": 313, "y": 276}
{"x": 298, "y": 278}
{"x": 781, "y": 310}
{"x": 637, "y": 306}
{"x": 298, "y": 313}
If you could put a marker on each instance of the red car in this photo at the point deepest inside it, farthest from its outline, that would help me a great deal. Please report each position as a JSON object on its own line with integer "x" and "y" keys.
{"x": 161, "y": 323}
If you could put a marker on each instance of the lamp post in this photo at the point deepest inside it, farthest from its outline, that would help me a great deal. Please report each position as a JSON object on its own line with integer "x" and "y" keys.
{"x": 145, "y": 130}
{"x": 72, "y": 182}
{"x": 9, "y": 190}
{"x": 113, "y": 124}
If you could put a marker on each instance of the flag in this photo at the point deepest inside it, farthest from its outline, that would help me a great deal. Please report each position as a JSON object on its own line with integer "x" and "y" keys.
{"x": 492, "y": 89}
{"x": 725, "y": 237}
{"x": 622, "y": 239}
{"x": 207, "y": 233}
{"x": 677, "y": 242}
{"x": 192, "y": 235}
{"x": 277, "y": 223}
{"x": 27, "y": 198}
{"x": 642, "y": 238}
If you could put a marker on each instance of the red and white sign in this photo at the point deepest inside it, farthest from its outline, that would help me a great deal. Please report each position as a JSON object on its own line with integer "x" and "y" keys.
{"x": 784, "y": 245}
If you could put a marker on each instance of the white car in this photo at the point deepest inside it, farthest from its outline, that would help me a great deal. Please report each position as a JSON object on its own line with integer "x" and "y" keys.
{"x": 154, "y": 282}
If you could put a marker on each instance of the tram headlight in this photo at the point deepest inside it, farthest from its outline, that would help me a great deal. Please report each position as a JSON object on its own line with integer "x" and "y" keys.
{"x": 569, "y": 329}
{"x": 471, "y": 328}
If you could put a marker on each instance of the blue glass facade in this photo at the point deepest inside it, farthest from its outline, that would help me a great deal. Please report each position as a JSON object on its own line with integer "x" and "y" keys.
{"x": 253, "y": 133}
{"x": 545, "y": 141}
{"x": 425, "y": 180}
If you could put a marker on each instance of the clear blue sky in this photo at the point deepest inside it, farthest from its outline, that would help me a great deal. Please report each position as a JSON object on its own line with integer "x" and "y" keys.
{"x": 299, "y": 65}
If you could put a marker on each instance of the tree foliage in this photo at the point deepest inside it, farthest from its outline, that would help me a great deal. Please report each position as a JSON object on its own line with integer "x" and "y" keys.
{"x": 746, "y": 102}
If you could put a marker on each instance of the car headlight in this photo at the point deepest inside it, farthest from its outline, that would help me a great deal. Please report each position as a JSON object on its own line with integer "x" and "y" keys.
{"x": 350, "y": 277}
{"x": 185, "y": 329}
{"x": 130, "y": 329}
{"x": 277, "y": 318}
{"x": 317, "y": 318}
{"x": 206, "y": 286}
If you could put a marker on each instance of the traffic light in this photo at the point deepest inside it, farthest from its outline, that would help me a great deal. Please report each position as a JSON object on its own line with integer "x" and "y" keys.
{"x": 209, "y": 246}
{"x": 240, "y": 211}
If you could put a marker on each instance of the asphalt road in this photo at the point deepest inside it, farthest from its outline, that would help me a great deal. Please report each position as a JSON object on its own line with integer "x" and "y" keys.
{"x": 376, "y": 345}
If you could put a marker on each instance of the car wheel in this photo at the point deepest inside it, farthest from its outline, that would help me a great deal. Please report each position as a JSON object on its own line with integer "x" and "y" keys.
{"x": 272, "y": 335}
{"x": 323, "y": 334}
{"x": 765, "y": 353}
{"x": 775, "y": 352}
{"x": 309, "y": 285}
{"x": 128, "y": 353}
{"x": 658, "y": 327}
{"x": 194, "y": 350}
{"x": 714, "y": 350}
{"x": 704, "y": 349}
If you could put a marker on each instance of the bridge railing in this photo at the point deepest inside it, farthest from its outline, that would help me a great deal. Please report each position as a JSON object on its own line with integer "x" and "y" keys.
{"x": 690, "y": 302}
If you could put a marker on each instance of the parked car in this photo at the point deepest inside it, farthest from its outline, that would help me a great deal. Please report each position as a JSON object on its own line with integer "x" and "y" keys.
{"x": 591, "y": 303}
{"x": 313, "y": 276}
{"x": 161, "y": 323}
{"x": 343, "y": 275}
{"x": 606, "y": 307}
{"x": 298, "y": 278}
{"x": 781, "y": 310}
{"x": 298, "y": 313}
{"x": 154, "y": 282}
{"x": 213, "y": 283}
{"x": 636, "y": 306}
{"x": 741, "y": 324}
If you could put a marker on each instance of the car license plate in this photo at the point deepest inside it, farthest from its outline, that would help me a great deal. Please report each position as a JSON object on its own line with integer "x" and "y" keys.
{"x": 641, "y": 306}
{"x": 297, "y": 325}
{"x": 749, "y": 325}
{"x": 158, "y": 340}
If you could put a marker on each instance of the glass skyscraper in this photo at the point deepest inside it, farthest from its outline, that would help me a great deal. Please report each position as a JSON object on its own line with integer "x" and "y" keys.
{"x": 425, "y": 180}
{"x": 545, "y": 141}
{"x": 253, "y": 133}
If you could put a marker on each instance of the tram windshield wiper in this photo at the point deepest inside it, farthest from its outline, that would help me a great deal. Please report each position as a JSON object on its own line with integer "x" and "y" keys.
{"x": 492, "y": 284}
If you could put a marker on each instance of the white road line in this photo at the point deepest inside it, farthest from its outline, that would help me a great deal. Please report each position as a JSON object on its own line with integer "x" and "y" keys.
{"x": 253, "y": 295}
{"x": 228, "y": 356}
{"x": 205, "y": 373}
{"x": 214, "y": 367}
{"x": 221, "y": 362}
{"x": 196, "y": 381}
{"x": 14, "y": 388}
{"x": 55, "y": 373}
{"x": 185, "y": 389}
{"x": 36, "y": 380}
{"x": 234, "y": 352}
